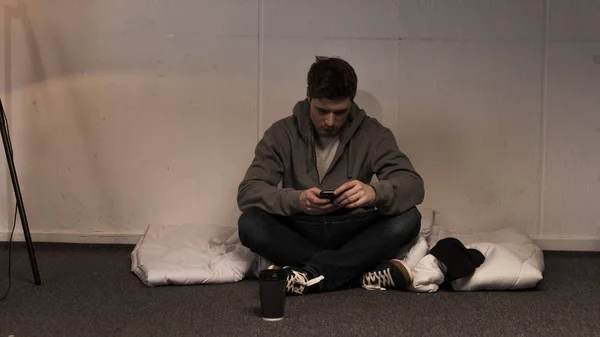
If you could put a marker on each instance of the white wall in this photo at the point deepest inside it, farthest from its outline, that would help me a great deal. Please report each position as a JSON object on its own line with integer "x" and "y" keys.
{"x": 127, "y": 113}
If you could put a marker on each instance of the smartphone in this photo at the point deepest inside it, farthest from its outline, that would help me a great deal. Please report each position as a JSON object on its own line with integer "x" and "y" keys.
{"x": 327, "y": 195}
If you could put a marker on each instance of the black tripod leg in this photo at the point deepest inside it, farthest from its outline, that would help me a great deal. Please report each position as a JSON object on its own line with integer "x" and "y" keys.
{"x": 20, "y": 205}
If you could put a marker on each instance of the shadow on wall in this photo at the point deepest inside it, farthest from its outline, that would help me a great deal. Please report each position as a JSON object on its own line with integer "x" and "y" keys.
{"x": 436, "y": 154}
{"x": 439, "y": 155}
{"x": 366, "y": 101}
{"x": 34, "y": 128}
{"x": 370, "y": 104}
{"x": 7, "y": 101}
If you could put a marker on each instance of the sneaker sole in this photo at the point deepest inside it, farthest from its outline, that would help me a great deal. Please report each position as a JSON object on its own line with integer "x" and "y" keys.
{"x": 405, "y": 270}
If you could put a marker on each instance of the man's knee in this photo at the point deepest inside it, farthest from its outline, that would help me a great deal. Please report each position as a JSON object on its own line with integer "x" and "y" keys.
{"x": 406, "y": 225}
{"x": 252, "y": 228}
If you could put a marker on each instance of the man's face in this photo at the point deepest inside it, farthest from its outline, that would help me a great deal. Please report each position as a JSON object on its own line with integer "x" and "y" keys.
{"x": 329, "y": 116}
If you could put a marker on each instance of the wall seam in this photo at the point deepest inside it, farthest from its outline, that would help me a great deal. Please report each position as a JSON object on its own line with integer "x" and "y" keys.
{"x": 398, "y": 70}
{"x": 259, "y": 102}
{"x": 543, "y": 121}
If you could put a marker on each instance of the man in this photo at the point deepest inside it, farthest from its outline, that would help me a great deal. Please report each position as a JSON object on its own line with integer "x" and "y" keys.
{"x": 329, "y": 143}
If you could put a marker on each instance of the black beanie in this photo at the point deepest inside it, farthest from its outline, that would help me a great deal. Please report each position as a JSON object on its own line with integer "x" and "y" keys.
{"x": 459, "y": 261}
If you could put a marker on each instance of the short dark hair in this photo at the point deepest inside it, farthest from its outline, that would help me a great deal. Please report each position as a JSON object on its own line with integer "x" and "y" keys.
{"x": 331, "y": 78}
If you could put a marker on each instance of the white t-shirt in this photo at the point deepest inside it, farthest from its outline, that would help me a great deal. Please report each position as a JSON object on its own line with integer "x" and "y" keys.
{"x": 326, "y": 148}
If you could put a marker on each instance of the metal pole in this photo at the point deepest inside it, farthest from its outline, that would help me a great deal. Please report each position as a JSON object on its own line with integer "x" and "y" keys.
{"x": 15, "y": 183}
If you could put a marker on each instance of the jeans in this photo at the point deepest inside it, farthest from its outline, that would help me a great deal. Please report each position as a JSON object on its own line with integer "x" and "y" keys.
{"x": 339, "y": 247}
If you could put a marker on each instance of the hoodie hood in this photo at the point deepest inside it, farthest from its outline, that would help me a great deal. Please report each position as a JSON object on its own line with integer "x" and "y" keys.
{"x": 306, "y": 131}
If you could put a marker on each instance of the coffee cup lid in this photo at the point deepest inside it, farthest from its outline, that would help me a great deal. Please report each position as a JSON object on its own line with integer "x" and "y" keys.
{"x": 272, "y": 274}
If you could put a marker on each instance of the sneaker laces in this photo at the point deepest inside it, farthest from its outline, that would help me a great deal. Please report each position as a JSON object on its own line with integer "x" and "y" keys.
{"x": 297, "y": 282}
{"x": 378, "y": 280}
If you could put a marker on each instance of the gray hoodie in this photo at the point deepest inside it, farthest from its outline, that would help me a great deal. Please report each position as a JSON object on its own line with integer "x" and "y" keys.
{"x": 286, "y": 154}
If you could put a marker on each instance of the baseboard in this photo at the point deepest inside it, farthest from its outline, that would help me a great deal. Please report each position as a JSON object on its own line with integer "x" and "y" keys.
{"x": 581, "y": 245}
{"x": 77, "y": 237}
{"x": 557, "y": 244}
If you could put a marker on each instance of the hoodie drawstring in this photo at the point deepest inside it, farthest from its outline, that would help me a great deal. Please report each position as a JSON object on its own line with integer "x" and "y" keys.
{"x": 312, "y": 159}
{"x": 348, "y": 164}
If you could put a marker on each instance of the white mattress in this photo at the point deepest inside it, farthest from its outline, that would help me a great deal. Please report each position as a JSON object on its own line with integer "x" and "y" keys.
{"x": 200, "y": 254}
{"x": 190, "y": 254}
{"x": 512, "y": 261}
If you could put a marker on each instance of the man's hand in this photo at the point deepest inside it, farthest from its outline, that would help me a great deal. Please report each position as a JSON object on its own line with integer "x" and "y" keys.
{"x": 312, "y": 204}
{"x": 354, "y": 194}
